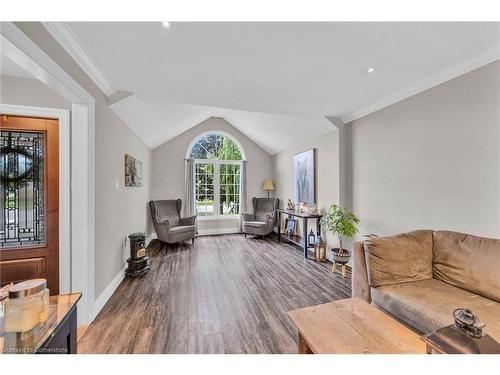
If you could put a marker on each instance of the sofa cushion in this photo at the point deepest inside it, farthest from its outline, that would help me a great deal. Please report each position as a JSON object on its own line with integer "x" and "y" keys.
{"x": 402, "y": 258}
{"x": 428, "y": 304}
{"x": 468, "y": 262}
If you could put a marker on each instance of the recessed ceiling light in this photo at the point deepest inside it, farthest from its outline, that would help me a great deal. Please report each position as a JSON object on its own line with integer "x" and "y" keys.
{"x": 165, "y": 24}
{"x": 371, "y": 69}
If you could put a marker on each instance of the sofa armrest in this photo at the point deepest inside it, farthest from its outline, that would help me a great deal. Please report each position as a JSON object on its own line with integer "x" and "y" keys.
{"x": 247, "y": 217}
{"x": 360, "y": 285}
{"x": 187, "y": 220}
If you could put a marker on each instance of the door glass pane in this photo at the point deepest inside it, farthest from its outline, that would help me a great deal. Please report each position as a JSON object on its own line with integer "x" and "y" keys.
{"x": 229, "y": 180}
{"x": 204, "y": 189}
{"x": 22, "y": 196}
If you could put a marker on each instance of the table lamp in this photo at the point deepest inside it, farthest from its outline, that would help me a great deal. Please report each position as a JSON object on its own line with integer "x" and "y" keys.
{"x": 268, "y": 185}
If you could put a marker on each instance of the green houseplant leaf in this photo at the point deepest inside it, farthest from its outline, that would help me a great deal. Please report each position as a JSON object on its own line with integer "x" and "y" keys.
{"x": 340, "y": 221}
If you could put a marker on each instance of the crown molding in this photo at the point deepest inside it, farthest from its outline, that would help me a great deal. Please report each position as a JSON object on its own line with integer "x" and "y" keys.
{"x": 66, "y": 37}
{"x": 426, "y": 83}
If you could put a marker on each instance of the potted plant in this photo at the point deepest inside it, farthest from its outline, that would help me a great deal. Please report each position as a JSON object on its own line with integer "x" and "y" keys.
{"x": 342, "y": 222}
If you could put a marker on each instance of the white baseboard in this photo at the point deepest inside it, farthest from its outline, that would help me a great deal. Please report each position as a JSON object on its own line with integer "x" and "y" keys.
{"x": 108, "y": 292}
{"x": 211, "y": 231}
{"x": 110, "y": 289}
{"x": 151, "y": 237}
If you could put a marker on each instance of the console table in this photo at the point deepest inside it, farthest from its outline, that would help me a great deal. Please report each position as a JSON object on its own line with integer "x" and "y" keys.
{"x": 301, "y": 241}
{"x": 56, "y": 336}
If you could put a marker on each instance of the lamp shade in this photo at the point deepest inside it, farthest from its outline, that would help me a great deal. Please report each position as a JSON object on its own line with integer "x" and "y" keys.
{"x": 268, "y": 185}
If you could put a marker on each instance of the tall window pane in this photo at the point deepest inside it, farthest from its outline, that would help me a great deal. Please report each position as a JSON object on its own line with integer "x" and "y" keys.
{"x": 229, "y": 180}
{"x": 204, "y": 189}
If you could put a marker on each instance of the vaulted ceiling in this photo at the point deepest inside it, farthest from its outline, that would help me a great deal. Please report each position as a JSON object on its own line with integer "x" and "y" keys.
{"x": 275, "y": 82}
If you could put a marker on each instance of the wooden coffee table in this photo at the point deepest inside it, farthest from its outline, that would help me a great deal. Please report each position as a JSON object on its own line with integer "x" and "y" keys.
{"x": 352, "y": 326}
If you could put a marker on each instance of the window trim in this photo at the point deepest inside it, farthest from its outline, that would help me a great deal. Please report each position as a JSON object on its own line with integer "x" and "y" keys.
{"x": 217, "y": 163}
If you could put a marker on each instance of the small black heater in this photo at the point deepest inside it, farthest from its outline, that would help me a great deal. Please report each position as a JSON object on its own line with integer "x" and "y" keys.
{"x": 138, "y": 261}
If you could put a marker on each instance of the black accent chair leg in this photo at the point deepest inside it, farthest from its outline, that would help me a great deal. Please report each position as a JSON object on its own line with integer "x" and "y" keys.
{"x": 192, "y": 240}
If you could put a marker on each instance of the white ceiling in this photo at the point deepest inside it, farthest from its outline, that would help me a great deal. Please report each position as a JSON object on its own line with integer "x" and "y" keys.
{"x": 244, "y": 72}
{"x": 156, "y": 120}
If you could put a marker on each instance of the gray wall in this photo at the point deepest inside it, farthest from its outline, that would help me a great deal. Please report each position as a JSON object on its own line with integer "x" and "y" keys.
{"x": 432, "y": 160}
{"x": 117, "y": 212}
{"x": 327, "y": 173}
{"x": 168, "y": 164}
{"x": 31, "y": 92}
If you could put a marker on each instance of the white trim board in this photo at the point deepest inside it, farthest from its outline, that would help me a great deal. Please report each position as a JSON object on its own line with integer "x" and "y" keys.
{"x": 150, "y": 238}
{"x": 215, "y": 231}
{"x": 426, "y": 83}
{"x": 63, "y": 34}
{"x": 104, "y": 297}
{"x": 19, "y": 48}
{"x": 100, "y": 302}
{"x": 63, "y": 117}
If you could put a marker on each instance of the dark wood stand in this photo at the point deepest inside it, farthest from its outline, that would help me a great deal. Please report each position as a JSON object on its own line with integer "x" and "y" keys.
{"x": 297, "y": 240}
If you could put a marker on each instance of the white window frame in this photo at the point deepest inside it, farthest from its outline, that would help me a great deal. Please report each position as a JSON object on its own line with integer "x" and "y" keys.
{"x": 217, "y": 163}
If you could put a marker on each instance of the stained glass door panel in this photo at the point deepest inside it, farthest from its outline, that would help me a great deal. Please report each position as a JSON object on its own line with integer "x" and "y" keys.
{"x": 29, "y": 200}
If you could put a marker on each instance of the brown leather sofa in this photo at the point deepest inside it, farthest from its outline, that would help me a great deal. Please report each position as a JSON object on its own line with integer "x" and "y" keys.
{"x": 420, "y": 277}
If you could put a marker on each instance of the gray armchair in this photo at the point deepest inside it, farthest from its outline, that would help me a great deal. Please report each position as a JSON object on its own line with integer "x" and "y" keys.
{"x": 263, "y": 219}
{"x": 169, "y": 225}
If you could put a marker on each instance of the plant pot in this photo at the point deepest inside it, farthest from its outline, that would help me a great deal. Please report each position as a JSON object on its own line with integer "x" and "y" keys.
{"x": 341, "y": 257}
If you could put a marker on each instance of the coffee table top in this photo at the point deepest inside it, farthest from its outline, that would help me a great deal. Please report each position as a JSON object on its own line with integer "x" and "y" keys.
{"x": 353, "y": 326}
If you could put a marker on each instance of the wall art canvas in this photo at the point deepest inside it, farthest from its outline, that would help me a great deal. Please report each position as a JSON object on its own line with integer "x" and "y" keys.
{"x": 133, "y": 171}
{"x": 304, "y": 177}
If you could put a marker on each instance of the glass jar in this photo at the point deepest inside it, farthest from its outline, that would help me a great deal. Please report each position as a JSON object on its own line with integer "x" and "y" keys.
{"x": 27, "y": 305}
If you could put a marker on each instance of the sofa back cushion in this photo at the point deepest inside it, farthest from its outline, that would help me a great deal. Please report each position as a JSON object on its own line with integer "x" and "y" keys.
{"x": 397, "y": 259}
{"x": 468, "y": 262}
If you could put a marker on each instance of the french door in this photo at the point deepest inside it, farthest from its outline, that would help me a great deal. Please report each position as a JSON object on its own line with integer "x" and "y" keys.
{"x": 29, "y": 200}
{"x": 217, "y": 187}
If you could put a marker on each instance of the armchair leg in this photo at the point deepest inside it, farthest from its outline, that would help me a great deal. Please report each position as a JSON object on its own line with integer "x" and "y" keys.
{"x": 245, "y": 235}
{"x": 192, "y": 240}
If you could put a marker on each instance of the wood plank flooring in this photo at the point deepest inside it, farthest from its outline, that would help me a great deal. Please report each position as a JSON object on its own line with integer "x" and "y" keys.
{"x": 225, "y": 294}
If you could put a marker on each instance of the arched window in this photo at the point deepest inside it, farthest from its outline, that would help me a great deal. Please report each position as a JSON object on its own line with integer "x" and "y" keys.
{"x": 217, "y": 158}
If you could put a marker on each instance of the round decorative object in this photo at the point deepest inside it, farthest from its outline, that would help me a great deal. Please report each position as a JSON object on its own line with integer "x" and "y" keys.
{"x": 15, "y": 164}
{"x": 341, "y": 257}
{"x": 467, "y": 322}
{"x": 27, "y": 288}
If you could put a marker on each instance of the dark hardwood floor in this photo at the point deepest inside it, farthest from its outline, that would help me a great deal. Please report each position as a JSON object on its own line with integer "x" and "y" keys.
{"x": 225, "y": 294}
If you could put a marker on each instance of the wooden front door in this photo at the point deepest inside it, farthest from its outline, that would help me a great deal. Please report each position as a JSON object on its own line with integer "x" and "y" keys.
{"x": 29, "y": 200}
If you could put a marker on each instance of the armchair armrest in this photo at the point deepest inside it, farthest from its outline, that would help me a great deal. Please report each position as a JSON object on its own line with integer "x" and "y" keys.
{"x": 187, "y": 220}
{"x": 165, "y": 222}
{"x": 271, "y": 220}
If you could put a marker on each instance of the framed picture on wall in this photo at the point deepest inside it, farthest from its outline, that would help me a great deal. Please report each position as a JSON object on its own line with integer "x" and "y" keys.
{"x": 133, "y": 171}
{"x": 304, "y": 177}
